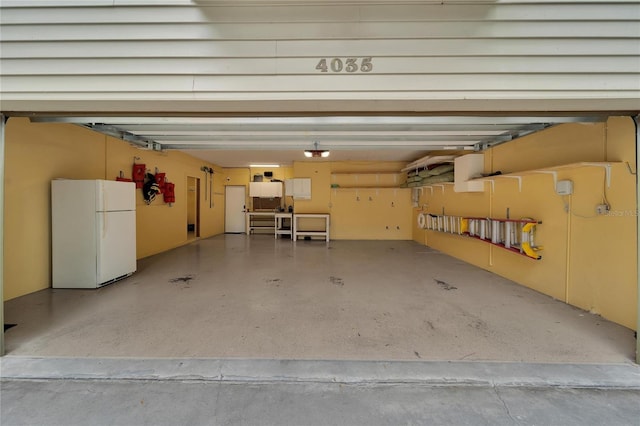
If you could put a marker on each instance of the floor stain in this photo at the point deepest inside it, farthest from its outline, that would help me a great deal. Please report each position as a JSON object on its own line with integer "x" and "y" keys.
{"x": 184, "y": 279}
{"x": 336, "y": 281}
{"x": 275, "y": 281}
{"x": 417, "y": 354}
{"x": 478, "y": 324}
{"x": 430, "y": 324}
{"x": 445, "y": 286}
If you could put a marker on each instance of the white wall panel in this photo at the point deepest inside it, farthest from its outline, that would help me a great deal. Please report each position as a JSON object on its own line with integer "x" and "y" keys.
{"x": 100, "y": 12}
{"x": 306, "y": 66}
{"x": 165, "y": 49}
{"x": 76, "y": 55}
{"x": 168, "y": 50}
{"x": 332, "y": 83}
{"x": 321, "y": 30}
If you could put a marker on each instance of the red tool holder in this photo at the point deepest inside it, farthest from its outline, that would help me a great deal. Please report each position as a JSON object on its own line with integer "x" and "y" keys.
{"x": 169, "y": 192}
{"x": 161, "y": 181}
{"x": 137, "y": 174}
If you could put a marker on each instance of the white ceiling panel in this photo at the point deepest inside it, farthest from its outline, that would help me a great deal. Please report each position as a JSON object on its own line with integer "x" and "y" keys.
{"x": 240, "y": 141}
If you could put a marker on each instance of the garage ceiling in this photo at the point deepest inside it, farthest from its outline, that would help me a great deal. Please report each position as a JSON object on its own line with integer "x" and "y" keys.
{"x": 242, "y": 141}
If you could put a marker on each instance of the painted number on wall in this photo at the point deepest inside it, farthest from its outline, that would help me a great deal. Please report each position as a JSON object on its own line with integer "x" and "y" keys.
{"x": 347, "y": 65}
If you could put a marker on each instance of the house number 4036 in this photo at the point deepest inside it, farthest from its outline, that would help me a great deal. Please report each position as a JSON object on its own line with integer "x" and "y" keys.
{"x": 347, "y": 65}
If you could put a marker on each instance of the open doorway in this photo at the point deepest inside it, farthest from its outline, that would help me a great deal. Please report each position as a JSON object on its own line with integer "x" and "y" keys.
{"x": 193, "y": 208}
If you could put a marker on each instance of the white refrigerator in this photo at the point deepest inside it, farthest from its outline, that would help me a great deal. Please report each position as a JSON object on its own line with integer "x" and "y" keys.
{"x": 93, "y": 232}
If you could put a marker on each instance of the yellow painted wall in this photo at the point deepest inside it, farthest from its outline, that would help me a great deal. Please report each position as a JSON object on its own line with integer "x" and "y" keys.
{"x": 560, "y": 144}
{"x": 236, "y": 176}
{"x": 603, "y": 261}
{"x": 367, "y": 203}
{"x": 280, "y": 173}
{"x": 588, "y": 261}
{"x": 320, "y": 174}
{"x": 371, "y": 214}
{"x": 36, "y": 153}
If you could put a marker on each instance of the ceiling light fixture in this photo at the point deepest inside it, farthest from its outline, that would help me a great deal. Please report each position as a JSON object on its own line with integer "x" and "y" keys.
{"x": 264, "y": 165}
{"x": 315, "y": 153}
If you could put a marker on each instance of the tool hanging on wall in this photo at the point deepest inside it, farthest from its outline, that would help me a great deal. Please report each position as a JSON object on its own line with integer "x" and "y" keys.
{"x": 169, "y": 193}
{"x": 210, "y": 187}
{"x": 138, "y": 173}
{"x": 150, "y": 189}
{"x": 161, "y": 181}
{"x": 205, "y": 169}
{"x": 514, "y": 235}
{"x": 208, "y": 183}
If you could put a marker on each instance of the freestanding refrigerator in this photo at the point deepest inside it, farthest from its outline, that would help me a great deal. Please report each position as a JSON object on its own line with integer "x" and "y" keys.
{"x": 93, "y": 232}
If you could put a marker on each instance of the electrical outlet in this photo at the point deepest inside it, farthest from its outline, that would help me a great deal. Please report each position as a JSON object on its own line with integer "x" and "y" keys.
{"x": 602, "y": 209}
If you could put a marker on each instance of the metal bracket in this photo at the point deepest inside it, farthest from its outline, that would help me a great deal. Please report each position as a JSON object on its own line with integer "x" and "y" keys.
{"x": 154, "y": 146}
{"x": 440, "y": 185}
{"x": 552, "y": 173}
{"x": 607, "y": 171}
{"x": 493, "y": 184}
{"x": 426, "y": 187}
{"x": 133, "y": 139}
{"x": 515, "y": 177}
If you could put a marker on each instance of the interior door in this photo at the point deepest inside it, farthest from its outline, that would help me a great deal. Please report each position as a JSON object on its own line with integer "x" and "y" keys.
{"x": 234, "y": 209}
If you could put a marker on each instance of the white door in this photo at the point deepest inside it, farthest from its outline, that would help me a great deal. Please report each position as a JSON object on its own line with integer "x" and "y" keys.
{"x": 234, "y": 208}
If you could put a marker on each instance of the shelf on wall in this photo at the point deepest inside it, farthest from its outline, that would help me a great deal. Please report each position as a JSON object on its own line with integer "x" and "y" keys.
{"x": 553, "y": 171}
{"x": 366, "y": 173}
{"x": 367, "y": 187}
{"x": 430, "y": 186}
{"x": 351, "y": 180}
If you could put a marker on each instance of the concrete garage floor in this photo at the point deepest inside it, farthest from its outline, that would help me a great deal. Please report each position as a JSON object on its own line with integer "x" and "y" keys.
{"x": 256, "y": 297}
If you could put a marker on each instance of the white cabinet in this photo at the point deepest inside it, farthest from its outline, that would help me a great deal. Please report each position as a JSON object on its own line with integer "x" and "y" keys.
{"x": 298, "y": 188}
{"x": 265, "y": 189}
{"x": 468, "y": 167}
